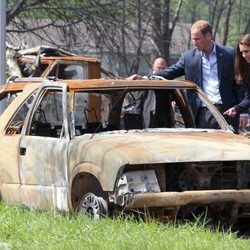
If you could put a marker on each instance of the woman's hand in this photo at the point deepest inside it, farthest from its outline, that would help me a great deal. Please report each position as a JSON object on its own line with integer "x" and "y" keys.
{"x": 230, "y": 112}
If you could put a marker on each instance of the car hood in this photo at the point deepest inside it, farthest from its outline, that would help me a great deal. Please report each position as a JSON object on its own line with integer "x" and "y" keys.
{"x": 117, "y": 149}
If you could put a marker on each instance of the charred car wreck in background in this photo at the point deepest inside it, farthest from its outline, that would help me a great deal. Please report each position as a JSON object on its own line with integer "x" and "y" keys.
{"x": 93, "y": 146}
{"x": 50, "y": 62}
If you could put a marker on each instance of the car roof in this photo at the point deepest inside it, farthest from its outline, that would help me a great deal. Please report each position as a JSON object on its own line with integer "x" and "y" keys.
{"x": 46, "y": 53}
{"x": 131, "y": 84}
{"x": 98, "y": 84}
{"x": 70, "y": 58}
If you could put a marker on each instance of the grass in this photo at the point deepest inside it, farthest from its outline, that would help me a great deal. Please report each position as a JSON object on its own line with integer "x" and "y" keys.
{"x": 30, "y": 229}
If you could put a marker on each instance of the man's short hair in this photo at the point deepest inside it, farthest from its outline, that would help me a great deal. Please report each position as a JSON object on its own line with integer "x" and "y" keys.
{"x": 203, "y": 26}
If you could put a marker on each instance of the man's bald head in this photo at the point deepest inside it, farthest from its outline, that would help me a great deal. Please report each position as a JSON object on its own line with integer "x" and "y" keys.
{"x": 159, "y": 64}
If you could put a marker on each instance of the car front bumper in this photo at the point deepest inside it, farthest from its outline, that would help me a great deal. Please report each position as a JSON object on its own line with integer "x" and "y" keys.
{"x": 201, "y": 197}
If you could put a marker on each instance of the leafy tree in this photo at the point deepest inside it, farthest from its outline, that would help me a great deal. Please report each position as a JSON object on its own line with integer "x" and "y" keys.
{"x": 163, "y": 25}
{"x": 122, "y": 30}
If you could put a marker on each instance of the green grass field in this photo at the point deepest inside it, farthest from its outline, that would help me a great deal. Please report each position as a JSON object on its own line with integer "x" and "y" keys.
{"x": 27, "y": 229}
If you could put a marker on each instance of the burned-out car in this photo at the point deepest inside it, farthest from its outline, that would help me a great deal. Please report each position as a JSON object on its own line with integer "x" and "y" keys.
{"x": 111, "y": 146}
{"x": 46, "y": 61}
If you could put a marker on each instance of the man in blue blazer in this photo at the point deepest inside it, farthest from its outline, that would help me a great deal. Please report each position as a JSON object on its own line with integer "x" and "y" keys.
{"x": 211, "y": 66}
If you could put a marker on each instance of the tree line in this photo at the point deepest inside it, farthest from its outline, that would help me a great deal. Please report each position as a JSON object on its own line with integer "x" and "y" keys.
{"x": 124, "y": 27}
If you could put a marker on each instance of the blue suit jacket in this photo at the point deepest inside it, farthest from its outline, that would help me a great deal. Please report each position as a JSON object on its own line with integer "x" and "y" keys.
{"x": 190, "y": 65}
{"x": 245, "y": 104}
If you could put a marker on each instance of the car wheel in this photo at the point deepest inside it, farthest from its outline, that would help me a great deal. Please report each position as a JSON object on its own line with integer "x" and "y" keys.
{"x": 94, "y": 206}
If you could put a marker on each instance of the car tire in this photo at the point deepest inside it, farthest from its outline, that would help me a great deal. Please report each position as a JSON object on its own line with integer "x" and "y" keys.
{"x": 94, "y": 206}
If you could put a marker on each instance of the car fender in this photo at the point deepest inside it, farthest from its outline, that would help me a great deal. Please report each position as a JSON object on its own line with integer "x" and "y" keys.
{"x": 88, "y": 167}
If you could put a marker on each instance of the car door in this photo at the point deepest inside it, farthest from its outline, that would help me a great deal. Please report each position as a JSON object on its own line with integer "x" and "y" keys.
{"x": 43, "y": 151}
{"x": 12, "y": 121}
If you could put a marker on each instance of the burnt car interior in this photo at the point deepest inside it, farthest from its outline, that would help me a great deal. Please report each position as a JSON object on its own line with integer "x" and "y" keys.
{"x": 61, "y": 70}
{"x": 43, "y": 61}
{"x": 113, "y": 110}
{"x": 118, "y": 110}
{"x": 69, "y": 71}
{"x": 48, "y": 117}
{"x": 125, "y": 110}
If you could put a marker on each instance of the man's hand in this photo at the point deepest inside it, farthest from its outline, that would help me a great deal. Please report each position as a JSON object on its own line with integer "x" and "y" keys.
{"x": 135, "y": 77}
{"x": 230, "y": 112}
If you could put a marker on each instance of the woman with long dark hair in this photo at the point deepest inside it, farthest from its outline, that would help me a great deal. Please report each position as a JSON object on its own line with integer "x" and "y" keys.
{"x": 242, "y": 74}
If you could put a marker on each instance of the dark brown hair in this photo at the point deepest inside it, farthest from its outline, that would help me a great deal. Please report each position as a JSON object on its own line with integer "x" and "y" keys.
{"x": 241, "y": 67}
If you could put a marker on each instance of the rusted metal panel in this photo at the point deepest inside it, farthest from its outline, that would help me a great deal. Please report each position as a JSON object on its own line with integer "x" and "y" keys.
{"x": 27, "y": 90}
{"x": 95, "y": 61}
{"x": 141, "y": 148}
{"x": 43, "y": 61}
{"x": 94, "y": 72}
{"x": 99, "y": 84}
{"x": 44, "y": 197}
{"x": 184, "y": 165}
{"x": 10, "y": 192}
{"x": 174, "y": 199}
{"x": 9, "y": 169}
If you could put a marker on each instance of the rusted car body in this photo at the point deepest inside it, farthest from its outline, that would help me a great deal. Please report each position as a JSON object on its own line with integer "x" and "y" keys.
{"x": 60, "y": 150}
{"x": 45, "y": 61}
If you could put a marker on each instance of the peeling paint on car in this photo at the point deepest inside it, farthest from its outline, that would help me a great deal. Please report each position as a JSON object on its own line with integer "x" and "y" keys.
{"x": 66, "y": 147}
